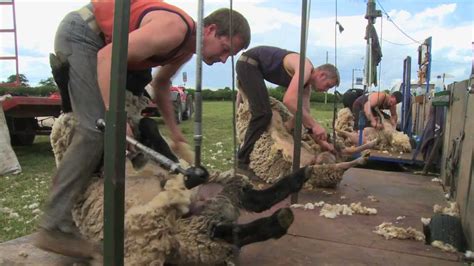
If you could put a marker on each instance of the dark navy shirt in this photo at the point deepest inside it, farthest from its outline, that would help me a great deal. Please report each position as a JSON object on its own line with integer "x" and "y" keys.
{"x": 270, "y": 63}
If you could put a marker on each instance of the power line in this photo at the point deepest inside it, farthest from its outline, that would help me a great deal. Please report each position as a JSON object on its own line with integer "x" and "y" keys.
{"x": 395, "y": 24}
{"x": 401, "y": 44}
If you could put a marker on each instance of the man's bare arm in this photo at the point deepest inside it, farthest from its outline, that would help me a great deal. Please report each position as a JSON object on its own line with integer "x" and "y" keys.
{"x": 290, "y": 98}
{"x": 375, "y": 100}
{"x": 143, "y": 43}
{"x": 393, "y": 115}
{"x": 161, "y": 86}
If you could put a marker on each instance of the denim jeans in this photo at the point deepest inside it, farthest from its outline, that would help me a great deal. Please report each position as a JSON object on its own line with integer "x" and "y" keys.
{"x": 253, "y": 86}
{"x": 80, "y": 44}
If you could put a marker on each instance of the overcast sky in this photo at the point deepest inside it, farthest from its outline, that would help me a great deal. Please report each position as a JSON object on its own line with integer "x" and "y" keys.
{"x": 277, "y": 23}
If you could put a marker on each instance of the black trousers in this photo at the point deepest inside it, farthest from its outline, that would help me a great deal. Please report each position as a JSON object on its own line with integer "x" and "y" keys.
{"x": 253, "y": 86}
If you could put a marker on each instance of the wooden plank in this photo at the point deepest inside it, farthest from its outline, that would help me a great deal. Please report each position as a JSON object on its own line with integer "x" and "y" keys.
{"x": 464, "y": 175}
{"x": 457, "y": 122}
{"x": 468, "y": 219}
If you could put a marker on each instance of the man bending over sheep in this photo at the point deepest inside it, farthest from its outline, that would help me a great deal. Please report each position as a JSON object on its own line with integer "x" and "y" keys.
{"x": 160, "y": 34}
{"x": 368, "y": 104}
{"x": 280, "y": 67}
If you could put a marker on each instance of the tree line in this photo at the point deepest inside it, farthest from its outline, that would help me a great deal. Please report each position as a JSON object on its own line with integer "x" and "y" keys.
{"x": 47, "y": 86}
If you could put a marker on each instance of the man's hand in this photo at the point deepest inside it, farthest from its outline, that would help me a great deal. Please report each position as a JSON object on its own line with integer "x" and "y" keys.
{"x": 326, "y": 146}
{"x": 375, "y": 124}
{"x": 319, "y": 133}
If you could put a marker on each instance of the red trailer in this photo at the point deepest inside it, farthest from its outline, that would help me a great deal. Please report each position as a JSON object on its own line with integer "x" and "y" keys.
{"x": 21, "y": 113}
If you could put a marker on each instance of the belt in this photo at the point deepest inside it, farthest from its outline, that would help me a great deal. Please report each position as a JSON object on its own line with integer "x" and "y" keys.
{"x": 244, "y": 58}
{"x": 88, "y": 16}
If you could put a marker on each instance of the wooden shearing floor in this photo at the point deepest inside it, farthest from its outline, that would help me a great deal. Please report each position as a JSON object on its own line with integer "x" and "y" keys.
{"x": 314, "y": 240}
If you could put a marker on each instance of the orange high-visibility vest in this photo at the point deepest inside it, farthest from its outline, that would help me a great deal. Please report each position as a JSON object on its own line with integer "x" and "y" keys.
{"x": 104, "y": 15}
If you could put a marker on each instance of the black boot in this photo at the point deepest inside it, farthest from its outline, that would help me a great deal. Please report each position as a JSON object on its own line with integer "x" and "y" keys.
{"x": 261, "y": 200}
{"x": 274, "y": 226}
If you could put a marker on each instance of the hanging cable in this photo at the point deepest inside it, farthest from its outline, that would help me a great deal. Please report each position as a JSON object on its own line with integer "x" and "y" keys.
{"x": 395, "y": 24}
{"x": 394, "y": 43}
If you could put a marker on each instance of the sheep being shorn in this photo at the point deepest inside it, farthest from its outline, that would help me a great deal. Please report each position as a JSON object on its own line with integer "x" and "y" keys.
{"x": 387, "y": 139}
{"x": 171, "y": 225}
{"x": 272, "y": 155}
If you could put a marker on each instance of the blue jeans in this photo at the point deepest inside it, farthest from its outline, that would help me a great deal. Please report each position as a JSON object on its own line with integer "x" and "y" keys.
{"x": 80, "y": 44}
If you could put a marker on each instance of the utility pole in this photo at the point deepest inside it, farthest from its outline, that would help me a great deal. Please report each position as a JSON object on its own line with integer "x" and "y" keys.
{"x": 352, "y": 87}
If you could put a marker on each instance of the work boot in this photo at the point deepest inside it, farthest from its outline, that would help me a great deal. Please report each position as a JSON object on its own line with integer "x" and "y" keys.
{"x": 67, "y": 244}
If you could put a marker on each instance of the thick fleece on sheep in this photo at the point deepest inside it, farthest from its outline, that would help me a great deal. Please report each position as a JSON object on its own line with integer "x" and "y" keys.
{"x": 388, "y": 139}
{"x": 272, "y": 155}
{"x": 156, "y": 230}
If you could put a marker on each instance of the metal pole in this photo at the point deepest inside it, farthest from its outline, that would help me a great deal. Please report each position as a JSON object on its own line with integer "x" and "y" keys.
{"x": 17, "y": 81}
{"x": 352, "y": 87}
{"x": 114, "y": 187}
{"x": 198, "y": 115}
{"x": 369, "y": 74}
{"x": 406, "y": 103}
{"x": 299, "y": 112}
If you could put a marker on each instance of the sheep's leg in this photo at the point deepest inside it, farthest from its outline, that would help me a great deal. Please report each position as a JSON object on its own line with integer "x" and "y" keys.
{"x": 260, "y": 200}
{"x": 150, "y": 136}
{"x": 346, "y": 165}
{"x": 352, "y": 136}
{"x": 274, "y": 226}
{"x": 363, "y": 147}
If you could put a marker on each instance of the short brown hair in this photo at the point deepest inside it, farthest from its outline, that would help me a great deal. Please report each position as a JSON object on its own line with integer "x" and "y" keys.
{"x": 240, "y": 25}
{"x": 332, "y": 70}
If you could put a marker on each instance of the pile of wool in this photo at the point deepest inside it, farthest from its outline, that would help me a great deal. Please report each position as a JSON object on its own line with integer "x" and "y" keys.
{"x": 444, "y": 246}
{"x": 389, "y": 231}
{"x": 331, "y": 211}
{"x": 452, "y": 209}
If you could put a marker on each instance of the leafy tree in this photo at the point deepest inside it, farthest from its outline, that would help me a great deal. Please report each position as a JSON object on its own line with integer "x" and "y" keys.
{"x": 23, "y": 80}
{"x": 47, "y": 82}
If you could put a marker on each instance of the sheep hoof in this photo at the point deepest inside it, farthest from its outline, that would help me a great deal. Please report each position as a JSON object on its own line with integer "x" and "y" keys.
{"x": 285, "y": 218}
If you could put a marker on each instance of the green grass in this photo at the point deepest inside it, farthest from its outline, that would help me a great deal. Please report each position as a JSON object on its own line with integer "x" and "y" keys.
{"x": 22, "y": 196}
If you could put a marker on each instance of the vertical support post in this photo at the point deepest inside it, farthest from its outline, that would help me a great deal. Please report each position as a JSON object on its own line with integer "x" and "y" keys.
{"x": 406, "y": 103}
{"x": 428, "y": 70}
{"x": 114, "y": 191}
{"x": 198, "y": 96}
{"x": 299, "y": 112}
{"x": 352, "y": 87}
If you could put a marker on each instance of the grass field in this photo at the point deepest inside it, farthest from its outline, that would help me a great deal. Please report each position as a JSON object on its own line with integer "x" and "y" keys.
{"x": 22, "y": 196}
